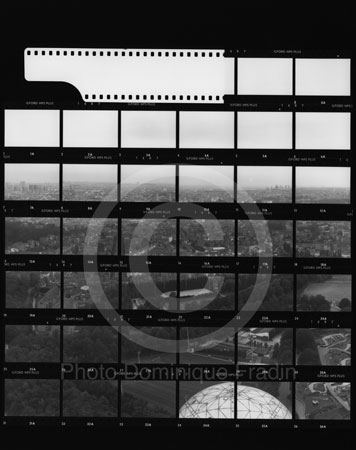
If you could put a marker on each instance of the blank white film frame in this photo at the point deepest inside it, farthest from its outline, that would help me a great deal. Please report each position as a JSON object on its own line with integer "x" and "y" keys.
{"x": 323, "y": 131}
{"x": 90, "y": 128}
{"x": 206, "y": 129}
{"x": 148, "y": 129}
{"x": 265, "y": 76}
{"x": 323, "y": 76}
{"x": 31, "y": 128}
{"x": 264, "y": 130}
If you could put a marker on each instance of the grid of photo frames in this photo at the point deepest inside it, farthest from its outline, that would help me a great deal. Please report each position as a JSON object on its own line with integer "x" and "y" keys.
{"x": 179, "y": 264}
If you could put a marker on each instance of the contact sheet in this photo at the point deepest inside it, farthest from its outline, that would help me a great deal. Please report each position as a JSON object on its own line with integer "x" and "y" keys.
{"x": 177, "y": 248}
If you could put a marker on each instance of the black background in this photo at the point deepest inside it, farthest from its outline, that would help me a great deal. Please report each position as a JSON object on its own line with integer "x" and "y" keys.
{"x": 215, "y": 25}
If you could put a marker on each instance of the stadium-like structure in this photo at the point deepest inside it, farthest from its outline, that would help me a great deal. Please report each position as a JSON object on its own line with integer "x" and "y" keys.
{"x": 217, "y": 402}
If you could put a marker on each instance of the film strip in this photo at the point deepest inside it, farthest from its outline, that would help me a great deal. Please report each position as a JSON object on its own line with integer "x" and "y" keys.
{"x": 216, "y": 137}
{"x": 184, "y": 76}
{"x": 141, "y": 75}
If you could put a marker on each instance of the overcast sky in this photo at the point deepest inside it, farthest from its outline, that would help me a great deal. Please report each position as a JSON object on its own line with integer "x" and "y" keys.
{"x": 263, "y": 176}
{"x": 158, "y": 174}
{"x": 95, "y": 173}
{"x": 220, "y": 176}
{"x": 32, "y": 173}
{"x": 323, "y": 177}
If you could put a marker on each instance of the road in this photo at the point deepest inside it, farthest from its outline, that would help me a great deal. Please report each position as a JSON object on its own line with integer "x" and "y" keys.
{"x": 337, "y": 397}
